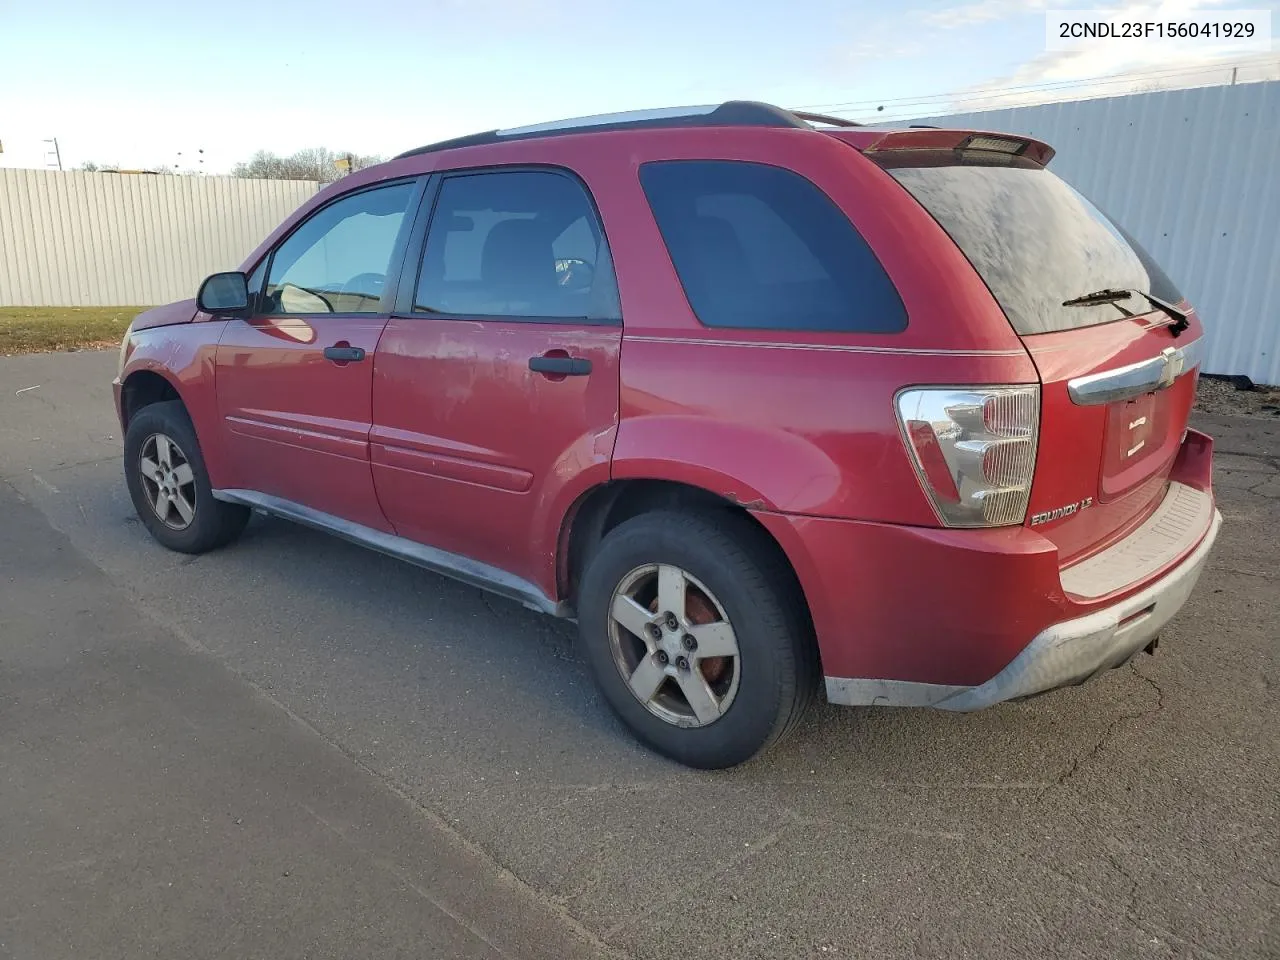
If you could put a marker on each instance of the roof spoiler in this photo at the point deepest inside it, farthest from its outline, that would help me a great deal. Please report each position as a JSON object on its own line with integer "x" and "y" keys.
{"x": 963, "y": 141}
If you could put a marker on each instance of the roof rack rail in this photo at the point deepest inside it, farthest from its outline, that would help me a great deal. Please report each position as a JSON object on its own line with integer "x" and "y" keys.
{"x": 825, "y": 118}
{"x": 732, "y": 113}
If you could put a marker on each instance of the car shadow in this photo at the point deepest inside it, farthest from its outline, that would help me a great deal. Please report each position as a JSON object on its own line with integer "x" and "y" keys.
{"x": 529, "y": 661}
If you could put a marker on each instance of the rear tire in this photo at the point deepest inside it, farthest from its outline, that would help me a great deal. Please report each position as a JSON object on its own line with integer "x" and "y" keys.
{"x": 736, "y": 666}
{"x": 169, "y": 485}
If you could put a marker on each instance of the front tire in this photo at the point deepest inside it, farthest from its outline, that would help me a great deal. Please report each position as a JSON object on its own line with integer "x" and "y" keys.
{"x": 694, "y": 630}
{"x": 169, "y": 485}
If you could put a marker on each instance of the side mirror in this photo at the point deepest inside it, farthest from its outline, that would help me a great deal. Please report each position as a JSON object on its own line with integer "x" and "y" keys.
{"x": 224, "y": 294}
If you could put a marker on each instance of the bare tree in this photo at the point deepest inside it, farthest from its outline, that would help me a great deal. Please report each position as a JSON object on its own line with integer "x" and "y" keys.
{"x": 315, "y": 163}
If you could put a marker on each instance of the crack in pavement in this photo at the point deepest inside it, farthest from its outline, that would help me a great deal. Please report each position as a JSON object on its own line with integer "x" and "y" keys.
{"x": 1250, "y": 573}
{"x": 85, "y": 463}
{"x": 1251, "y": 486}
{"x": 1267, "y": 458}
{"x": 1189, "y": 948}
{"x": 1028, "y": 785}
{"x": 1113, "y": 726}
{"x": 702, "y": 882}
{"x": 1149, "y": 681}
{"x": 1130, "y": 907}
{"x": 404, "y": 878}
{"x": 1131, "y": 896}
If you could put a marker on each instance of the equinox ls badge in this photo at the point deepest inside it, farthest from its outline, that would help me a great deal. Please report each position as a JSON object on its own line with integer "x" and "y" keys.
{"x": 1060, "y": 512}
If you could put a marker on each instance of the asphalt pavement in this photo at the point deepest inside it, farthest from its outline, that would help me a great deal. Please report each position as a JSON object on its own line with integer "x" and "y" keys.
{"x": 327, "y": 753}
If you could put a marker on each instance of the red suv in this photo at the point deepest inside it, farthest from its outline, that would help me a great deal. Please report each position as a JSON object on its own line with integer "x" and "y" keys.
{"x": 757, "y": 397}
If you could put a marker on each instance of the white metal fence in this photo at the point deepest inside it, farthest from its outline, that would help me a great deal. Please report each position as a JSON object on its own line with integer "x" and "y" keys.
{"x": 107, "y": 239}
{"x": 1192, "y": 175}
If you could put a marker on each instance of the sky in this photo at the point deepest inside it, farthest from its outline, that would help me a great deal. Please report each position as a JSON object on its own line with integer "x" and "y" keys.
{"x": 149, "y": 84}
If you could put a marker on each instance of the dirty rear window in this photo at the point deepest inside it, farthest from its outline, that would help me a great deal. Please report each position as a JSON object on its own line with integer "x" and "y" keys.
{"x": 1036, "y": 241}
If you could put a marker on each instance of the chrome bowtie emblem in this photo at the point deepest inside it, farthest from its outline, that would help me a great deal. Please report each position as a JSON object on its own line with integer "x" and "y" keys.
{"x": 1173, "y": 363}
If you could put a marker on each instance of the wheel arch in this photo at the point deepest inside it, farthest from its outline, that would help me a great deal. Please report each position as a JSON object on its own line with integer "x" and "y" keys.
{"x": 607, "y": 505}
{"x": 142, "y": 388}
{"x": 179, "y": 362}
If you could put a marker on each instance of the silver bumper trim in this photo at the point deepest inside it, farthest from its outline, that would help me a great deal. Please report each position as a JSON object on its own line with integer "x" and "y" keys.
{"x": 1179, "y": 522}
{"x": 1064, "y": 654}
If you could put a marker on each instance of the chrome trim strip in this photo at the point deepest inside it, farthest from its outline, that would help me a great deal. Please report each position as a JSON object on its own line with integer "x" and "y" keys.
{"x": 1135, "y": 379}
{"x": 452, "y": 565}
{"x": 1062, "y": 655}
{"x": 825, "y": 348}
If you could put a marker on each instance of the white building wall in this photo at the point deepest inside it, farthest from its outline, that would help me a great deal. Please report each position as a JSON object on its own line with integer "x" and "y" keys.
{"x": 1194, "y": 175}
{"x": 109, "y": 239}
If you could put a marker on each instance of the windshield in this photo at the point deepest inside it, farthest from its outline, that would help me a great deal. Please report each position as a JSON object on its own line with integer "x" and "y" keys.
{"x": 1036, "y": 242}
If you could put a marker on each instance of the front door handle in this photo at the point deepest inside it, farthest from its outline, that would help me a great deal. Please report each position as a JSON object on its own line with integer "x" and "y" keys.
{"x": 343, "y": 353}
{"x": 560, "y": 366}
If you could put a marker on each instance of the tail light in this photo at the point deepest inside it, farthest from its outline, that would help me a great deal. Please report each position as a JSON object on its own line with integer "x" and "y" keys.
{"x": 974, "y": 450}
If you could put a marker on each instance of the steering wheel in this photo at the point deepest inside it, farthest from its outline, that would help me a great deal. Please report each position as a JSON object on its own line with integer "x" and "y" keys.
{"x": 575, "y": 274}
{"x": 364, "y": 283}
{"x": 278, "y": 299}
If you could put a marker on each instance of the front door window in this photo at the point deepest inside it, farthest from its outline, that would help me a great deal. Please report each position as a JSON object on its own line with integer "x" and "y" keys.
{"x": 337, "y": 261}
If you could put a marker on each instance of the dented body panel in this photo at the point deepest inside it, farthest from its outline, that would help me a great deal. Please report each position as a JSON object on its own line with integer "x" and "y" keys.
{"x": 184, "y": 355}
{"x": 479, "y": 455}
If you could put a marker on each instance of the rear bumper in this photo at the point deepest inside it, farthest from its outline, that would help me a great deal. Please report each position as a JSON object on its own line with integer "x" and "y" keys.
{"x": 924, "y": 616}
{"x": 1062, "y": 655}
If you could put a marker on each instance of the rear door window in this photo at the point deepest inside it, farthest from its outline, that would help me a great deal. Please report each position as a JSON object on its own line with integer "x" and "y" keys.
{"x": 1036, "y": 242}
{"x": 521, "y": 244}
{"x": 758, "y": 246}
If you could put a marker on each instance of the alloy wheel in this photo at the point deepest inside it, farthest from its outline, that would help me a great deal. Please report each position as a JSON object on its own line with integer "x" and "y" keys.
{"x": 168, "y": 481}
{"x": 673, "y": 645}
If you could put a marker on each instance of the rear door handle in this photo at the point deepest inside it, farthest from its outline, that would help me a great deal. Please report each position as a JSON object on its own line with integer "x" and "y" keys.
{"x": 561, "y": 366}
{"x": 343, "y": 354}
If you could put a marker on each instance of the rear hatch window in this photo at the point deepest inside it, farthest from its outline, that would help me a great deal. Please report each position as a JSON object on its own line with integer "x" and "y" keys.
{"x": 1034, "y": 240}
{"x": 1104, "y": 459}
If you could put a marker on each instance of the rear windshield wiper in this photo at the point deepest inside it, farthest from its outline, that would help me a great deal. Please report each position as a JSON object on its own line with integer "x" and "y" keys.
{"x": 1181, "y": 319}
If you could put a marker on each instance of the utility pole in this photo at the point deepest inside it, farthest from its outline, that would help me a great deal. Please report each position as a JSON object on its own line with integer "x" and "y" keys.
{"x": 56, "y": 152}
{"x": 1233, "y": 75}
